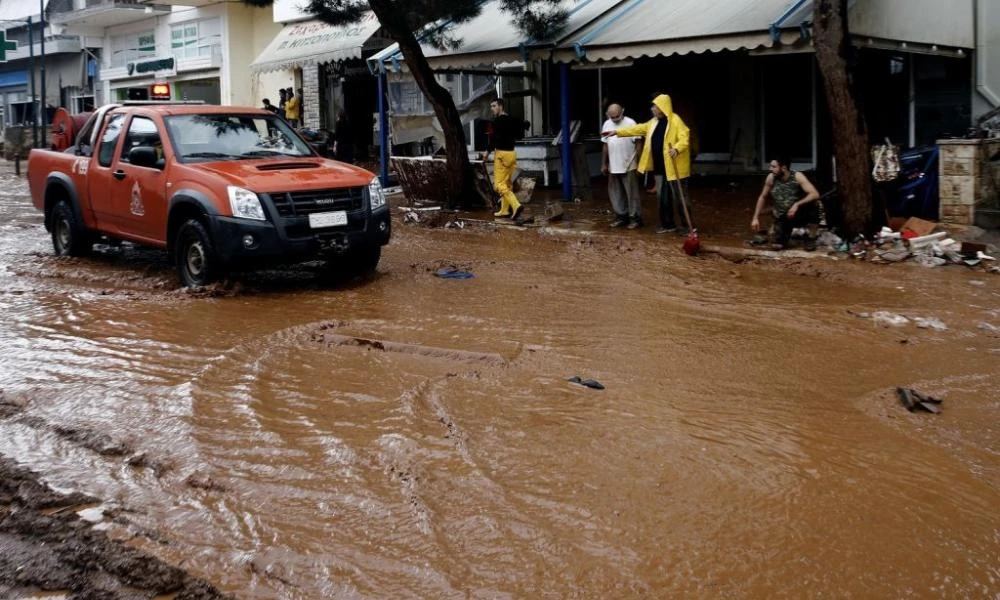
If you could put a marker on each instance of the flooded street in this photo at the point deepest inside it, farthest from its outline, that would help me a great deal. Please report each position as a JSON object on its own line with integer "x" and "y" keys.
{"x": 416, "y": 437}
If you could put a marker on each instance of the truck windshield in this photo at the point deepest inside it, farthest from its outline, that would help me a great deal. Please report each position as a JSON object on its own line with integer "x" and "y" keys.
{"x": 233, "y": 137}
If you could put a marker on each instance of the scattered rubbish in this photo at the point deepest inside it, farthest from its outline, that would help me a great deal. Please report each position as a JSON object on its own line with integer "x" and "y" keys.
{"x": 929, "y": 260}
{"x": 983, "y": 256}
{"x": 893, "y": 254}
{"x": 988, "y": 327}
{"x": 977, "y": 283}
{"x": 453, "y": 273}
{"x": 924, "y": 241}
{"x": 411, "y": 217}
{"x": 591, "y": 383}
{"x": 973, "y": 248}
{"x": 930, "y": 323}
{"x": 455, "y": 225}
{"x": 889, "y": 319}
{"x": 917, "y": 226}
{"x": 886, "y": 235}
{"x": 828, "y": 239}
{"x": 913, "y": 399}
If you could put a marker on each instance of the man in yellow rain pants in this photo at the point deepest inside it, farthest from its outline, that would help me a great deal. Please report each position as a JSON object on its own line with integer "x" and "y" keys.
{"x": 506, "y": 131}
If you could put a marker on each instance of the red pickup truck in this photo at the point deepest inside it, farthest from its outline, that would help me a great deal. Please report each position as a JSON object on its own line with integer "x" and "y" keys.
{"x": 218, "y": 187}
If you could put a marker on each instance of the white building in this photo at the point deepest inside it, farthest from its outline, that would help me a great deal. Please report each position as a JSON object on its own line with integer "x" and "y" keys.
{"x": 202, "y": 52}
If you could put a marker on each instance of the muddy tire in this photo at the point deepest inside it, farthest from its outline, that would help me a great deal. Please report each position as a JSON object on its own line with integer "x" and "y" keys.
{"x": 194, "y": 255}
{"x": 355, "y": 263}
{"x": 364, "y": 262}
{"x": 69, "y": 236}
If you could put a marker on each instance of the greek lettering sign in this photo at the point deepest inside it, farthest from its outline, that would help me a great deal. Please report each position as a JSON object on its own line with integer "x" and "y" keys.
{"x": 315, "y": 42}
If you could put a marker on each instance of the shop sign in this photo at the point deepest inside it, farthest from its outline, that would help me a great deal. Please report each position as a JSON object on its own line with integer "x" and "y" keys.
{"x": 158, "y": 67}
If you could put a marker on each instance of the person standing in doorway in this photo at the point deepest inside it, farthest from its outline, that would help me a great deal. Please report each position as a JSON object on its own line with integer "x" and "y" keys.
{"x": 292, "y": 108}
{"x": 282, "y": 99}
{"x": 343, "y": 140}
{"x": 506, "y": 131}
{"x": 666, "y": 153}
{"x": 618, "y": 162}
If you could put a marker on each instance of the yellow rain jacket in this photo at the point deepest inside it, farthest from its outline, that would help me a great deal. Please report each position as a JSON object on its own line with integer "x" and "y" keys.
{"x": 678, "y": 136}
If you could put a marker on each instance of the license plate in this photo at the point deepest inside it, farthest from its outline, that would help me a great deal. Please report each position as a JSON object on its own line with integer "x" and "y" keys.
{"x": 328, "y": 219}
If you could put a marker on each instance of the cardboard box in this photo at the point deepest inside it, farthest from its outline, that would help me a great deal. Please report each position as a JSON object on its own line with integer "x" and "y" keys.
{"x": 919, "y": 226}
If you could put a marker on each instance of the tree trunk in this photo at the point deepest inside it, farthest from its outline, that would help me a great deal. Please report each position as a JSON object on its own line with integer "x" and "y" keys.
{"x": 460, "y": 186}
{"x": 850, "y": 135}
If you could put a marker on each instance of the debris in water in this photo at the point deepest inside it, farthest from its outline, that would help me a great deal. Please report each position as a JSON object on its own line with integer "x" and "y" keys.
{"x": 930, "y": 323}
{"x": 913, "y": 399}
{"x": 452, "y": 273}
{"x": 889, "y": 319}
{"x": 591, "y": 383}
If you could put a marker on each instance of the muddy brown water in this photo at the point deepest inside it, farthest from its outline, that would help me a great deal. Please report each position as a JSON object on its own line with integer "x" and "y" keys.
{"x": 747, "y": 445}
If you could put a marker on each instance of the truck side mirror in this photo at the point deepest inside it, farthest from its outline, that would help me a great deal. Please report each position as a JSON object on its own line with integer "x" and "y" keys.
{"x": 143, "y": 156}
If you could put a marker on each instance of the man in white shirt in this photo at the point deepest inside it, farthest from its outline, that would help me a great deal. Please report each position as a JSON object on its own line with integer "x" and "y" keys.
{"x": 618, "y": 162}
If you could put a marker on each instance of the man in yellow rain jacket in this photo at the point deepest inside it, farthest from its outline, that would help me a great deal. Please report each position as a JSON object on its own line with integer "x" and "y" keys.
{"x": 666, "y": 153}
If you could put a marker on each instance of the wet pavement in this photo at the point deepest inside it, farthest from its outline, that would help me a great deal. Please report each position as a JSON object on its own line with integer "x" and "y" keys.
{"x": 409, "y": 436}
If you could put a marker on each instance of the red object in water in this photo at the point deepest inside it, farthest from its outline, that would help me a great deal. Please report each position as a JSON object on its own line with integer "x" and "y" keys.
{"x": 692, "y": 244}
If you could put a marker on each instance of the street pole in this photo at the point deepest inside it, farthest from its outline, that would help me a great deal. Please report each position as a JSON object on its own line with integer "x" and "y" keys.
{"x": 31, "y": 53}
{"x": 44, "y": 105}
{"x": 383, "y": 130}
{"x": 567, "y": 146}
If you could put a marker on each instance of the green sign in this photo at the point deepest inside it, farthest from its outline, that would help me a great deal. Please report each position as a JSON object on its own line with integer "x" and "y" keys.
{"x": 6, "y": 45}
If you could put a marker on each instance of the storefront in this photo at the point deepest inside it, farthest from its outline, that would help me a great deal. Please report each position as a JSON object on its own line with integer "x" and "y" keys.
{"x": 186, "y": 55}
{"x": 327, "y": 64}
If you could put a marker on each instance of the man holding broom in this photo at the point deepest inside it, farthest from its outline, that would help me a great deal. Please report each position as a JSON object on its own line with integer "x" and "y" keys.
{"x": 667, "y": 154}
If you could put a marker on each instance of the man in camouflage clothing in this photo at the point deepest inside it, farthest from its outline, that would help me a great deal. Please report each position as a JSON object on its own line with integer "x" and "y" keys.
{"x": 794, "y": 204}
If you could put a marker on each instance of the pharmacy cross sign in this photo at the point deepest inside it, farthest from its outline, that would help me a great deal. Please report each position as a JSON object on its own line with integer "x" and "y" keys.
{"x": 5, "y": 46}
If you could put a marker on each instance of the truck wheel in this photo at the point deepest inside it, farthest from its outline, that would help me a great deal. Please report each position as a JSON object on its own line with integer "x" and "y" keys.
{"x": 194, "y": 254}
{"x": 364, "y": 262}
{"x": 354, "y": 263}
{"x": 69, "y": 237}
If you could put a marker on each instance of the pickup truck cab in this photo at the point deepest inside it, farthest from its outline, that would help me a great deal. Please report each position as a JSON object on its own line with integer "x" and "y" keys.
{"x": 218, "y": 187}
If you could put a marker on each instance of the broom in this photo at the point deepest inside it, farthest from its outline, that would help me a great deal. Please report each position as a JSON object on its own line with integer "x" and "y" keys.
{"x": 692, "y": 244}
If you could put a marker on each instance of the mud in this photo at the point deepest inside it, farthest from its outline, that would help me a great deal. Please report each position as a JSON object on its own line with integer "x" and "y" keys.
{"x": 47, "y": 547}
{"x": 284, "y": 435}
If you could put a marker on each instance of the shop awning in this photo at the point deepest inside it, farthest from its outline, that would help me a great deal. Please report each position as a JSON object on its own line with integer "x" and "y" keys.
{"x": 638, "y": 28}
{"x": 315, "y": 42}
{"x": 927, "y": 22}
{"x": 491, "y": 38}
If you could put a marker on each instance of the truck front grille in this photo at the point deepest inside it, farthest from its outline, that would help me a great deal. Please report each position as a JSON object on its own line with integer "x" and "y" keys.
{"x": 291, "y": 204}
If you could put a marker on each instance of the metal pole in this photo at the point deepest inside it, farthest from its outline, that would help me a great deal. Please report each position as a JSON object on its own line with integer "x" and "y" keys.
{"x": 44, "y": 104}
{"x": 383, "y": 130}
{"x": 567, "y": 147}
{"x": 31, "y": 53}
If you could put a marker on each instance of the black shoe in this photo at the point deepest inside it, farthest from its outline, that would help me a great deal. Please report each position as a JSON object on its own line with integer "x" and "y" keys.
{"x": 666, "y": 229}
{"x": 683, "y": 231}
{"x": 810, "y": 244}
{"x": 635, "y": 224}
{"x": 517, "y": 212}
{"x": 619, "y": 222}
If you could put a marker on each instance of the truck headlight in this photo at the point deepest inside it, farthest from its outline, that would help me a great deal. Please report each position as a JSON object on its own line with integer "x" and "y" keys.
{"x": 245, "y": 204}
{"x": 375, "y": 193}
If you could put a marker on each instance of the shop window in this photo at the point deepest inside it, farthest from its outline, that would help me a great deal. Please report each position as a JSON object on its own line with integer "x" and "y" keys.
{"x": 132, "y": 47}
{"x": 106, "y": 151}
{"x": 943, "y": 97}
{"x": 196, "y": 39}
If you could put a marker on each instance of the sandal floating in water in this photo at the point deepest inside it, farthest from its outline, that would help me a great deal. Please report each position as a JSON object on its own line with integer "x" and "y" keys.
{"x": 591, "y": 383}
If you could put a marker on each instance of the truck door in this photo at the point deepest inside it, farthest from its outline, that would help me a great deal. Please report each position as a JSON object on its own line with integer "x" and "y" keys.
{"x": 138, "y": 194}
{"x": 99, "y": 179}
